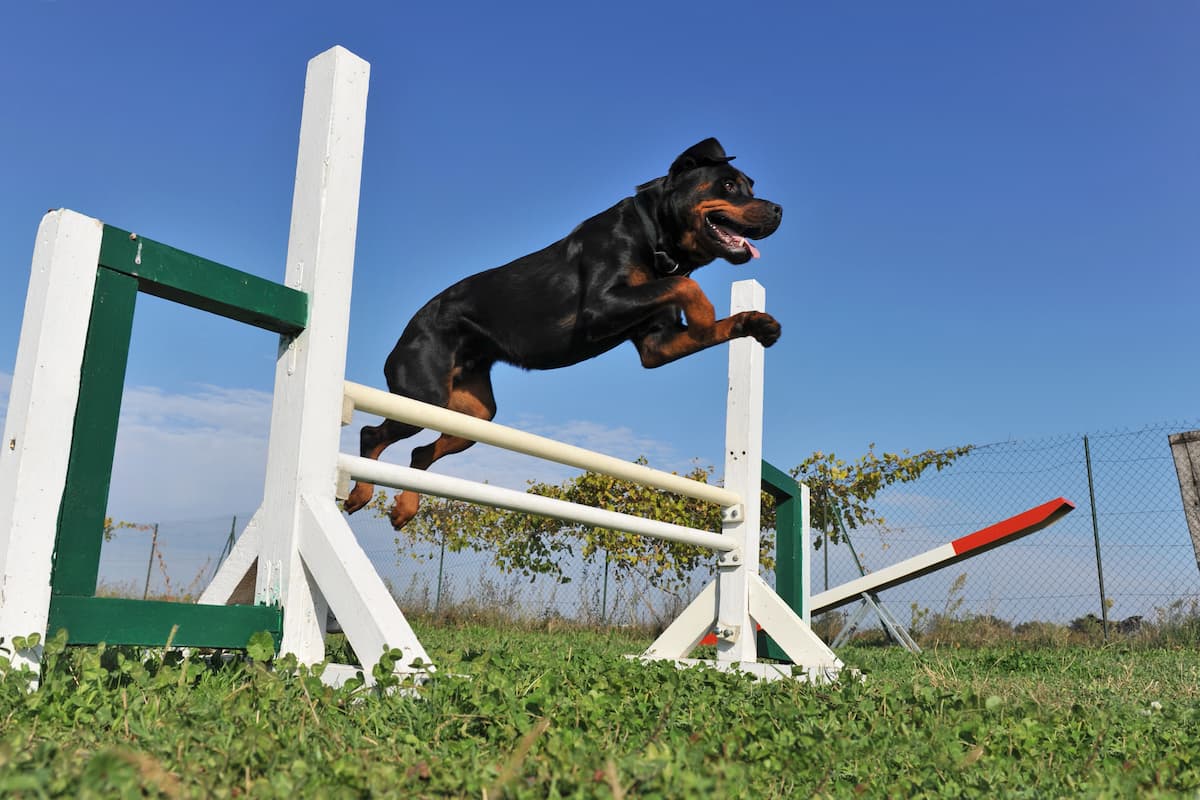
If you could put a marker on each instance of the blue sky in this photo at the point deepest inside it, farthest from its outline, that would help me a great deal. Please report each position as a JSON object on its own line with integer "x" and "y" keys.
{"x": 990, "y": 224}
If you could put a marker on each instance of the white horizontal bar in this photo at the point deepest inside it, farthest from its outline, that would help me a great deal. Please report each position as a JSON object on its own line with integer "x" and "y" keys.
{"x": 458, "y": 489}
{"x": 414, "y": 412}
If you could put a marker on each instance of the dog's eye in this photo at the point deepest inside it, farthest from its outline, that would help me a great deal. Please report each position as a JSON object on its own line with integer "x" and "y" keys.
{"x": 729, "y": 186}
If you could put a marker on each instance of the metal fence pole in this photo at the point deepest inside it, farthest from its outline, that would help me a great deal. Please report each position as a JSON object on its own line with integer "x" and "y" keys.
{"x": 150, "y": 565}
{"x": 1087, "y": 457}
{"x": 604, "y": 593}
{"x": 437, "y": 598}
{"x": 825, "y": 550}
{"x": 225, "y": 551}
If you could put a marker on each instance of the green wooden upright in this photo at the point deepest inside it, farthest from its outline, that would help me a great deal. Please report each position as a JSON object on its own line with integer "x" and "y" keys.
{"x": 789, "y": 548}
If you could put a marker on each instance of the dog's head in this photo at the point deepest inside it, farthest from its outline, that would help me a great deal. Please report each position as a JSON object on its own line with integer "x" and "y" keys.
{"x": 707, "y": 207}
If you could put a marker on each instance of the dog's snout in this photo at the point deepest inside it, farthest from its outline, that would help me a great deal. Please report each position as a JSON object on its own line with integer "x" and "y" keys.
{"x": 777, "y": 211}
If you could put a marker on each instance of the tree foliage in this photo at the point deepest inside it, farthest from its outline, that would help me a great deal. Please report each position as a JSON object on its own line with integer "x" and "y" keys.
{"x": 111, "y": 526}
{"x": 836, "y": 486}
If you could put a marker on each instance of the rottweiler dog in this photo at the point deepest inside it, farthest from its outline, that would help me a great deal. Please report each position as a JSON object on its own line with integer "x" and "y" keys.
{"x": 622, "y": 275}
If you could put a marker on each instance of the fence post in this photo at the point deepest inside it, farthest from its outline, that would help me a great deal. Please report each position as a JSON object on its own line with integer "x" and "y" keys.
{"x": 1087, "y": 457}
{"x": 437, "y": 598}
{"x": 225, "y": 551}
{"x": 604, "y": 593}
{"x": 149, "y": 566}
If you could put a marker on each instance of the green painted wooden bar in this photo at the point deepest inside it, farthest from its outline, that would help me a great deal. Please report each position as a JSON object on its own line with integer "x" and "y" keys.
{"x": 164, "y": 271}
{"x": 90, "y": 620}
{"x": 94, "y": 440}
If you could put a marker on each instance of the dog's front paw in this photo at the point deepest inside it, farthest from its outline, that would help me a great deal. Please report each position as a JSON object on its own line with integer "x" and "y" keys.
{"x": 762, "y": 326}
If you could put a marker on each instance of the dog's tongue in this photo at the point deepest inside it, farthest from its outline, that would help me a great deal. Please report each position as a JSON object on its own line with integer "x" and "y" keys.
{"x": 750, "y": 246}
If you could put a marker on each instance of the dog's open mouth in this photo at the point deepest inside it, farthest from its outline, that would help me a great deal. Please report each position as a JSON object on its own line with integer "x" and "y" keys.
{"x": 730, "y": 234}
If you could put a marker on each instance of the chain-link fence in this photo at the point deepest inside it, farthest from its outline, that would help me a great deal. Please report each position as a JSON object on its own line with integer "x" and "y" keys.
{"x": 1125, "y": 552}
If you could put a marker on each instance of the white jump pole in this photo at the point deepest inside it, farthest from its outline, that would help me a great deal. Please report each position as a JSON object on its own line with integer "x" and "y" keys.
{"x": 386, "y": 404}
{"x": 497, "y": 496}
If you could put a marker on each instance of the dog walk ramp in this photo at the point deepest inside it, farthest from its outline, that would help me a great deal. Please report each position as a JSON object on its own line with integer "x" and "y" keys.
{"x": 960, "y": 549}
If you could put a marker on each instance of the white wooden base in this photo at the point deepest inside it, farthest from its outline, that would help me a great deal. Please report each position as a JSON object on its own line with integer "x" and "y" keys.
{"x": 762, "y": 670}
{"x": 811, "y": 657}
{"x": 334, "y": 561}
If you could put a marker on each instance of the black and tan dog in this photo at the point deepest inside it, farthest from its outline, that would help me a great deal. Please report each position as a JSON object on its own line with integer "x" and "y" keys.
{"x": 620, "y": 276}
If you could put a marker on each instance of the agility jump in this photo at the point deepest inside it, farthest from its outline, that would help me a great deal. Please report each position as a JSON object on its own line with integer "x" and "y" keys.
{"x": 298, "y": 550}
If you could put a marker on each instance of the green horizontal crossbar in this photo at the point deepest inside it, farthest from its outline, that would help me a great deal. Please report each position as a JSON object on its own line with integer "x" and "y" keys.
{"x": 778, "y": 483}
{"x": 90, "y": 620}
{"x": 181, "y": 277}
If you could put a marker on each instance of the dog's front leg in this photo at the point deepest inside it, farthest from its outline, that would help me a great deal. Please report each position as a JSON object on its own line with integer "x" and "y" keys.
{"x": 701, "y": 329}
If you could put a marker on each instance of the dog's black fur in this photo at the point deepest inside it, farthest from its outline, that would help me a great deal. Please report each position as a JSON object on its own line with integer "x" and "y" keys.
{"x": 620, "y": 276}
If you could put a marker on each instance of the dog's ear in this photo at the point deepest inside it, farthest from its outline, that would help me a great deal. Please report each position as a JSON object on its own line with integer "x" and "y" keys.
{"x": 654, "y": 184}
{"x": 702, "y": 154}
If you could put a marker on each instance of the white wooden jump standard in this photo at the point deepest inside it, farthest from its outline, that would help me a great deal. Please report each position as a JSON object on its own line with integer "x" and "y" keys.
{"x": 731, "y": 604}
{"x": 307, "y": 557}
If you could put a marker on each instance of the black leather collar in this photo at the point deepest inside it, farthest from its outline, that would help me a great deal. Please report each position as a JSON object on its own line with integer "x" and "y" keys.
{"x": 664, "y": 263}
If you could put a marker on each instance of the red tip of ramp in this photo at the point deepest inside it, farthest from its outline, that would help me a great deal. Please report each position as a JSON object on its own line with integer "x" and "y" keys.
{"x": 1024, "y": 523}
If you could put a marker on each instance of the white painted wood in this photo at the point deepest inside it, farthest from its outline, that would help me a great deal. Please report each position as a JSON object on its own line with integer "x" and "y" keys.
{"x": 788, "y": 630}
{"x": 359, "y": 598}
{"x": 39, "y": 423}
{"x": 761, "y": 670}
{"x": 805, "y": 554}
{"x": 235, "y": 566}
{"x": 404, "y": 409}
{"x": 883, "y": 578}
{"x": 459, "y": 489}
{"x": 736, "y": 640}
{"x": 683, "y": 635}
{"x": 305, "y": 421}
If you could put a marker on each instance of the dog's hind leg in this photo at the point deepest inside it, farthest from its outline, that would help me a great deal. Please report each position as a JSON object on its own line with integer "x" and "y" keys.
{"x": 471, "y": 394}
{"x": 373, "y": 440}
{"x": 420, "y": 366}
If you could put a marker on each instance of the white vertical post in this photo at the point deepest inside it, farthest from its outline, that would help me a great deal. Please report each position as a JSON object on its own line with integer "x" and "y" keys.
{"x": 805, "y": 555}
{"x": 39, "y": 424}
{"x": 736, "y": 637}
{"x": 309, "y": 558}
{"x": 305, "y": 421}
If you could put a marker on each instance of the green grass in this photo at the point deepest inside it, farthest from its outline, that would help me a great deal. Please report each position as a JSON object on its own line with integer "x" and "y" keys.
{"x": 564, "y": 714}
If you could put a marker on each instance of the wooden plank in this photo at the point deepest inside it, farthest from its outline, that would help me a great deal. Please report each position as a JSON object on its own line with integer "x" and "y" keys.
{"x": 791, "y": 549}
{"x": 307, "y": 408}
{"x": 90, "y": 620}
{"x": 94, "y": 438}
{"x": 952, "y": 552}
{"x": 37, "y": 430}
{"x": 743, "y": 477}
{"x": 181, "y": 277}
{"x": 1185, "y": 449}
